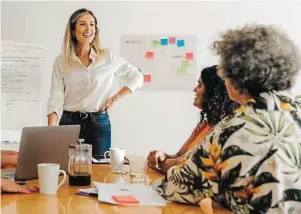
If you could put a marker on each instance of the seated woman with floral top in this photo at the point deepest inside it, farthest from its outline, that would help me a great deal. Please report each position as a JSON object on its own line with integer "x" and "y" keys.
{"x": 212, "y": 98}
{"x": 250, "y": 163}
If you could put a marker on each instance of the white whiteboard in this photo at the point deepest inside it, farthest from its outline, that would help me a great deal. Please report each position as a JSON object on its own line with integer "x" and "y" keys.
{"x": 21, "y": 85}
{"x": 168, "y": 62}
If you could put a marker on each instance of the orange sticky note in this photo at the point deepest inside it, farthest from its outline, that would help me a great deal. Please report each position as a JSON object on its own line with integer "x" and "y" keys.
{"x": 149, "y": 55}
{"x": 147, "y": 78}
{"x": 125, "y": 199}
{"x": 189, "y": 56}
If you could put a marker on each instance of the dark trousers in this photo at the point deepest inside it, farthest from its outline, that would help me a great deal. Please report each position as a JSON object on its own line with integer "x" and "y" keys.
{"x": 95, "y": 129}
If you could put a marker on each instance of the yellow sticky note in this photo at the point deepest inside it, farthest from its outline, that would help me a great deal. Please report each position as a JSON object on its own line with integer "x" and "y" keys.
{"x": 185, "y": 63}
{"x": 182, "y": 70}
{"x": 156, "y": 43}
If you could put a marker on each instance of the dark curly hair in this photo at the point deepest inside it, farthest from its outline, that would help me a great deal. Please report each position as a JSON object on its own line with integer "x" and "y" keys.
{"x": 258, "y": 59}
{"x": 216, "y": 103}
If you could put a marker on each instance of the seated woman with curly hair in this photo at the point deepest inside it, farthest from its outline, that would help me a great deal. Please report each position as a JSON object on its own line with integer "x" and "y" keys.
{"x": 215, "y": 104}
{"x": 250, "y": 163}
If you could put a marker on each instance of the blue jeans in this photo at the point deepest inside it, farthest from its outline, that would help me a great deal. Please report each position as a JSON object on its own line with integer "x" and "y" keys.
{"x": 95, "y": 129}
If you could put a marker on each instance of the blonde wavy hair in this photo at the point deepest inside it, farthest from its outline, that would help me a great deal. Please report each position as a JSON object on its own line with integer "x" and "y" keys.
{"x": 70, "y": 42}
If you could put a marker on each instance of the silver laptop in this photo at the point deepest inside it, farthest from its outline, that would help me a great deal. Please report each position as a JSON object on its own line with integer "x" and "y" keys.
{"x": 48, "y": 144}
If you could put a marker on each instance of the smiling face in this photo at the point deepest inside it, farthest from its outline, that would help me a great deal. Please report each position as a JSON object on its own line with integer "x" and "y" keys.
{"x": 199, "y": 91}
{"x": 85, "y": 29}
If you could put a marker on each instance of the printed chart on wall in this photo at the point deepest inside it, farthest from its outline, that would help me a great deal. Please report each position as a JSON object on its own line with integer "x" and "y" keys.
{"x": 168, "y": 62}
{"x": 21, "y": 85}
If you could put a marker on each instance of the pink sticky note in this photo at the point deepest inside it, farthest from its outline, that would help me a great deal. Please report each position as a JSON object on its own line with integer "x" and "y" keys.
{"x": 147, "y": 78}
{"x": 149, "y": 55}
{"x": 172, "y": 40}
{"x": 189, "y": 56}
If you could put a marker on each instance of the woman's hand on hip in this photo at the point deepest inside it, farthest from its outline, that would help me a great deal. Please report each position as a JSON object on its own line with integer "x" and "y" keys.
{"x": 108, "y": 104}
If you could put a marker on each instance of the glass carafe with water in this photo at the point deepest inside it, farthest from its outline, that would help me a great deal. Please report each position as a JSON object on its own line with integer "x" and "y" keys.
{"x": 80, "y": 164}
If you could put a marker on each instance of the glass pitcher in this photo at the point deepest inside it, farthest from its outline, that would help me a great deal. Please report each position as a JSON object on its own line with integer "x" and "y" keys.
{"x": 80, "y": 164}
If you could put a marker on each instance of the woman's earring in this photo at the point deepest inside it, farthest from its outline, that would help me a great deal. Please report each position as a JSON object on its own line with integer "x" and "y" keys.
{"x": 236, "y": 90}
{"x": 73, "y": 35}
{"x": 223, "y": 114}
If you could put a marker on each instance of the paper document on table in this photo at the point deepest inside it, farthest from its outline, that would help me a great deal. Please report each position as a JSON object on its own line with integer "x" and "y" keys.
{"x": 144, "y": 194}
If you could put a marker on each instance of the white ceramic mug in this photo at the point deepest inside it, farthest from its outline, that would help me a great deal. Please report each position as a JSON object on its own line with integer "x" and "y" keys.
{"x": 48, "y": 178}
{"x": 116, "y": 158}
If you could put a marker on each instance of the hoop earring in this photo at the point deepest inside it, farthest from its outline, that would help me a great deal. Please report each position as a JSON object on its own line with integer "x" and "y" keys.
{"x": 236, "y": 90}
{"x": 223, "y": 114}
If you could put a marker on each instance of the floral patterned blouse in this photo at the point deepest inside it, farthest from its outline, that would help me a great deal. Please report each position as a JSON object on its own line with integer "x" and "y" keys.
{"x": 249, "y": 163}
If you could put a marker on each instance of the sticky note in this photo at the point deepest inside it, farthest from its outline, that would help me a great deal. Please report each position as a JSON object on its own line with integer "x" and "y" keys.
{"x": 147, "y": 78}
{"x": 180, "y": 43}
{"x": 189, "y": 56}
{"x": 125, "y": 199}
{"x": 185, "y": 63}
{"x": 172, "y": 40}
{"x": 156, "y": 43}
{"x": 149, "y": 55}
{"x": 164, "y": 42}
{"x": 182, "y": 70}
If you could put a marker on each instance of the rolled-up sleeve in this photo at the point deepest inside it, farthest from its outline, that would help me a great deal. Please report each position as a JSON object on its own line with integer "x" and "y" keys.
{"x": 56, "y": 99}
{"x": 133, "y": 78}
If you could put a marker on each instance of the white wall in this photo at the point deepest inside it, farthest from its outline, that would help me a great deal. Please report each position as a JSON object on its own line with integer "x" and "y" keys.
{"x": 145, "y": 120}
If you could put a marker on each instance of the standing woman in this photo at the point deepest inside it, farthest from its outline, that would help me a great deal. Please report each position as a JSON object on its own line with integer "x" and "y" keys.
{"x": 82, "y": 79}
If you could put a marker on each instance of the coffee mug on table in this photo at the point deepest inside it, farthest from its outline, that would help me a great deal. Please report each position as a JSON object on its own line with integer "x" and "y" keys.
{"x": 116, "y": 158}
{"x": 48, "y": 174}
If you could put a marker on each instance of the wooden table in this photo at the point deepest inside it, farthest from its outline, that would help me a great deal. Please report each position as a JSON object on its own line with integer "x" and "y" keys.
{"x": 66, "y": 202}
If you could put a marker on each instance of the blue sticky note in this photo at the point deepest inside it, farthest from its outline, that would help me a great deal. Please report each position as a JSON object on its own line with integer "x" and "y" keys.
{"x": 180, "y": 43}
{"x": 164, "y": 41}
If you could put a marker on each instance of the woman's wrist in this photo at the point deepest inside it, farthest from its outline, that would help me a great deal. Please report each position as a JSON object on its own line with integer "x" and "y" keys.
{"x": 123, "y": 91}
{"x": 163, "y": 166}
{"x": 52, "y": 119}
{"x": 116, "y": 97}
{"x": 167, "y": 156}
{"x": 168, "y": 163}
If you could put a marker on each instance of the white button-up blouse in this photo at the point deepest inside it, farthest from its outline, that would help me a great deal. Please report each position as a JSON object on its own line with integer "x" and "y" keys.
{"x": 77, "y": 88}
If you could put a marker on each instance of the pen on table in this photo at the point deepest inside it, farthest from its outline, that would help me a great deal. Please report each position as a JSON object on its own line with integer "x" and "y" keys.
{"x": 86, "y": 194}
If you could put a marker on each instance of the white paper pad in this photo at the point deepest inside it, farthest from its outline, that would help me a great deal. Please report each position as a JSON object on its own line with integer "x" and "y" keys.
{"x": 145, "y": 194}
